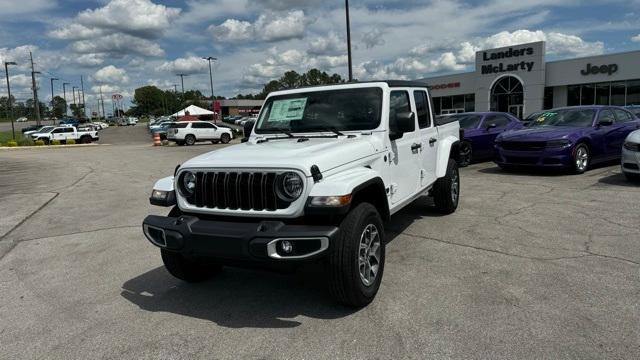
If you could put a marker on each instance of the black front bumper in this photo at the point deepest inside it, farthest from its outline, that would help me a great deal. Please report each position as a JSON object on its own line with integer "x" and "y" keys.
{"x": 245, "y": 241}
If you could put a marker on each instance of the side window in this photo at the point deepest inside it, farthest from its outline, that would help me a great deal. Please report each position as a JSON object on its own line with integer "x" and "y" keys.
{"x": 69, "y": 130}
{"x": 499, "y": 120}
{"x": 422, "y": 108}
{"x": 207, "y": 126}
{"x": 606, "y": 115}
{"x": 57, "y": 131}
{"x": 399, "y": 103}
{"x": 197, "y": 126}
{"x": 622, "y": 116}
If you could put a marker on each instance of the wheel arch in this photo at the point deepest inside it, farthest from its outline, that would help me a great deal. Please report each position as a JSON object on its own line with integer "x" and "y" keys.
{"x": 372, "y": 191}
{"x": 449, "y": 148}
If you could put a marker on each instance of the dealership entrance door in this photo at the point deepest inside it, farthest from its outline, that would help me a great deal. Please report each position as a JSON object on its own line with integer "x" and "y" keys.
{"x": 507, "y": 95}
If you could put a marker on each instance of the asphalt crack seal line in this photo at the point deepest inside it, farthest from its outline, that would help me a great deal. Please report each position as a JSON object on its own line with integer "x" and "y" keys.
{"x": 6, "y": 247}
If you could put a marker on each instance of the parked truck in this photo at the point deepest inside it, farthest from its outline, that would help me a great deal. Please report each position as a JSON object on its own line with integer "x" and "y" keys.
{"x": 322, "y": 171}
{"x": 64, "y": 133}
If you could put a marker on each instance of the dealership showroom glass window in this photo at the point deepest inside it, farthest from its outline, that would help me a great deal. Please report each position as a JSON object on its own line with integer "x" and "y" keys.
{"x": 619, "y": 93}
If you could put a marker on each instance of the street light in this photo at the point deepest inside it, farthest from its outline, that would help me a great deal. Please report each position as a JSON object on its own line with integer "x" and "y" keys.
{"x": 52, "y": 103}
{"x": 9, "y": 109}
{"x": 73, "y": 90}
{"x": 64, "y": 93}
{"x": 213, "y": 99}
{"x": 182, "y": 82}
{"x": 346, "y": 4}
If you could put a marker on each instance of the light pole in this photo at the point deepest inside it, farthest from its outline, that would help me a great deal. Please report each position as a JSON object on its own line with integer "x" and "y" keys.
{"x": 346, "y": 4}
{"x": 73, "y": 90}
{"x": 213, "y": 99}
{"x": 52, "y": 103}
{"x": 182, "y": 82}
{"x": 64, "y": 94}
{"x": 9, "y": 109}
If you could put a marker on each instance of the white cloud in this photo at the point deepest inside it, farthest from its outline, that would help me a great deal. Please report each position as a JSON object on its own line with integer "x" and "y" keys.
{"x": 188, "y": 66}
{"x": 331, "y": 44}
{"x": 268, "y": 27}
{"x": 117, "y": 44}
{"x": 111, "y": 75}
{"x": 636, "y": 38}
{"x": 373, "y": 38}
{"x": 74, "y": 31}
{"x": 89, "y": 59}
{"x": 23, "y": 7}
{"x": 135, "y": 17}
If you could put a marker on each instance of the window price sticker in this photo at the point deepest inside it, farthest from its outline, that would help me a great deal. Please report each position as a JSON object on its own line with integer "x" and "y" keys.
{"x": 287, "y": 110}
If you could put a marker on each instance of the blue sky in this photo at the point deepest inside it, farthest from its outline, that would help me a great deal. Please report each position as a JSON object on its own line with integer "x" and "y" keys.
{"x": 123, "y": 44}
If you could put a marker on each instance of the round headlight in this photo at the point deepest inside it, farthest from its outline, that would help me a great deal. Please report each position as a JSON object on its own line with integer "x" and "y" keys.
{"x": 289, "y": 186}
{"x": 188, "y": 185}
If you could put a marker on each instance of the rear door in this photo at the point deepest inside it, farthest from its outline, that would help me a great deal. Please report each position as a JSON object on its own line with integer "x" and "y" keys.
{"x": 428, "y": 138}
{"x": 613, "y": 135}
{"x": 404, "y": 156}
{"x": 58, "y": 134}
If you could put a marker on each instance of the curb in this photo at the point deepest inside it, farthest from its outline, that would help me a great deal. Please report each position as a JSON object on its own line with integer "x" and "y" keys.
{"x": 51, "y": 146}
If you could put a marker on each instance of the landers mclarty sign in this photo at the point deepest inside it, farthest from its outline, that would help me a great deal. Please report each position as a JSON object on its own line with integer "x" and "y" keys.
{"x": 511, "y": 53}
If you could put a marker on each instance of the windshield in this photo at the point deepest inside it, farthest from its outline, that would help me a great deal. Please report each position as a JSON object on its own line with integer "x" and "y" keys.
{"x": 565, "y": 117}
{"x": 341, "y": 110}
{"x": 45, "y": 129}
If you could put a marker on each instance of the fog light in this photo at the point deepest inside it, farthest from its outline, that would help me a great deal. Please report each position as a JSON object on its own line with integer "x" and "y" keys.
{"x": 286, "y": 246}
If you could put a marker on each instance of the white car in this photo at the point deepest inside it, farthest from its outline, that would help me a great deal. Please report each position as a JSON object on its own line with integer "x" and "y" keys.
{"x": 42, "y": 129}
{"x": 64, "y": 133}
{"x": 22, "y": 119}
{"x": 193, "y": 131}
{"x": 631, "y": 156}
{"x": 321, "y": 172}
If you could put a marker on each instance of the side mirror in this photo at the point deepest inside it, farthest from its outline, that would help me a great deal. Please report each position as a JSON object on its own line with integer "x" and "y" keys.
{"x": 605, "y": 122}
{"x": 492, "y": 126}
{"x": 405, "y": 122}
{"x": 247, "y": 129}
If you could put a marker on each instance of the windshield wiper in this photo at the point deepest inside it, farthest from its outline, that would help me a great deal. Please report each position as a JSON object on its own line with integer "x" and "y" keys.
{"x": 329, "y": 128}
{"x": 282, "y": 131}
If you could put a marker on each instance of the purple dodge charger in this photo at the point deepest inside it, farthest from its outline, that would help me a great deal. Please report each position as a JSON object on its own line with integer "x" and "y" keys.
{"x": 571, "y": 138}
{"x": 480, "y": 131}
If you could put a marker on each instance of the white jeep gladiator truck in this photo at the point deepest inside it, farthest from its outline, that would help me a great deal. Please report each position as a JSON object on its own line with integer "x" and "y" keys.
{"x": 64, "y": 133}
{"x": 322, "y": 171}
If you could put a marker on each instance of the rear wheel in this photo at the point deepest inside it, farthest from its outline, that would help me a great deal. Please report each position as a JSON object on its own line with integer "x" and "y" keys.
{"x": 225, "y": 138}
{"x": 581, "y": 158}
{"x": 466, "y": 154}
{"x": 356, "y": 264}
{"x": 632, "y": 177}
{"x": 446, "y": 190}
{"x": 190, "y": 140}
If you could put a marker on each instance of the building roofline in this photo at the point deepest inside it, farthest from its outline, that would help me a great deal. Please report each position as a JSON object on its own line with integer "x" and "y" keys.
{"x": 594, "y": 56}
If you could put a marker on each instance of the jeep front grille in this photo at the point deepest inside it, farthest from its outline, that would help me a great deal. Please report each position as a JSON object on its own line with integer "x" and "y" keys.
{"x": 237, "y": 190}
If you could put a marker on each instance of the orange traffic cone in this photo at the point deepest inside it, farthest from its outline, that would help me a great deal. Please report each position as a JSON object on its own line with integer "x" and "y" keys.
{"x": 156, "y": 139}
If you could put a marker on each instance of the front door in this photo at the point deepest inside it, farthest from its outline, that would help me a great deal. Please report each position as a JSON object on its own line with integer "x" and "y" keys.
{"x": 404, "y": 156}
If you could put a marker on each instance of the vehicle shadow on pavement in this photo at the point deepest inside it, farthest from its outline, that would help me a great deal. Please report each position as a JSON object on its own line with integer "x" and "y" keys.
{"x": 618, "y": 180}
{"x": 239, "y": 298}
{"x": 422, "y": 207}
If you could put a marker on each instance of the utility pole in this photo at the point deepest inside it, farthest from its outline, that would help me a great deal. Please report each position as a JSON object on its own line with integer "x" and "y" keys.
{"x": 84, "y": 110}
{"x": 64, "y": 93}
{"x": 9, "y": 108}
{"x": 36, "y": 103}
{"x": 53, "y": 105}
{"x": 349, "y": 41}
{"x": 182, "y": 82}
{"x": 102, "y": 101}
{"x": 213, "y": 99}
{"x": 73, "y": 90}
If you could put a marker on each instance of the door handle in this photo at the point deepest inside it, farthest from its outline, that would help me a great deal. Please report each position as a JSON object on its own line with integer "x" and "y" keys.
{"x": 415, "y": 147}
{"x": 432, "y": 141}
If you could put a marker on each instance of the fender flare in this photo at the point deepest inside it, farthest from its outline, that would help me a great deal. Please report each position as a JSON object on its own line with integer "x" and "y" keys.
{"x": 444, "y": 154}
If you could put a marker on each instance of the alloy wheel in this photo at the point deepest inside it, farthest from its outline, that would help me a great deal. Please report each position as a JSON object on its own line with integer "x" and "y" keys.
{"x": 369, "y": 255}
{"x": 582, "y": 158}
{"x": 455, "y": 186}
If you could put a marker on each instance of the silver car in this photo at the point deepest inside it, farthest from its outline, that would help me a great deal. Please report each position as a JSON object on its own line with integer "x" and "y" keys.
{"x": 631, "y": 156}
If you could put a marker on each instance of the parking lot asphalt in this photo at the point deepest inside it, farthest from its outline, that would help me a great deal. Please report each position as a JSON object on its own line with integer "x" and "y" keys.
{"x": 530, "y": 266}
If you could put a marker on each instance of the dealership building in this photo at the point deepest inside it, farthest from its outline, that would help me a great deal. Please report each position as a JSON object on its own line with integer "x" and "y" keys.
{"x": 517, "y": 79}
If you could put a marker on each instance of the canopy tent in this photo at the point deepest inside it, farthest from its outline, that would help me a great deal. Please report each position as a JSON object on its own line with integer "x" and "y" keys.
{"x": 193, "y": 110}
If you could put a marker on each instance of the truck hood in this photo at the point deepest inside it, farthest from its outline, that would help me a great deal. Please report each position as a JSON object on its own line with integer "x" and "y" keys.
{"x": 541, "y": 133}
{"x": 326, "y": 153}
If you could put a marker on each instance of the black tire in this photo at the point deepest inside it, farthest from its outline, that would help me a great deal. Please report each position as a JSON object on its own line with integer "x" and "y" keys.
{"x": 225, "y": 138}
{"x": 183, "y": 268}
{"x": 186, "y": 269}
{"x": 581, "y": 164}
{"x": 446, "y": 190}
{"x": 466, "y": 154}
{"x": 45, "y": 140}
{"x": 189, "y": 140}
{"x": 346, "y": 283}
{"x": 632, "y": 177}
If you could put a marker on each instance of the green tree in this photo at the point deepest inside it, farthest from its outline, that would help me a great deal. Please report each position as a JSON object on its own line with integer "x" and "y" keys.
{"x": 77, "y": 110}
{"x": 148, "y": 100}
{"x": 59, "y": 107}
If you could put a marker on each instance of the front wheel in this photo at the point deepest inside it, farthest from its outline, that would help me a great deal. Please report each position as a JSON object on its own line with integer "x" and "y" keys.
{"x": 356, "y": 263}
{"x": 186, "y": 269}
{"x": 581, "y": 158}
{"x": 446, "y": 190}
{"x": 225, "y": 138}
